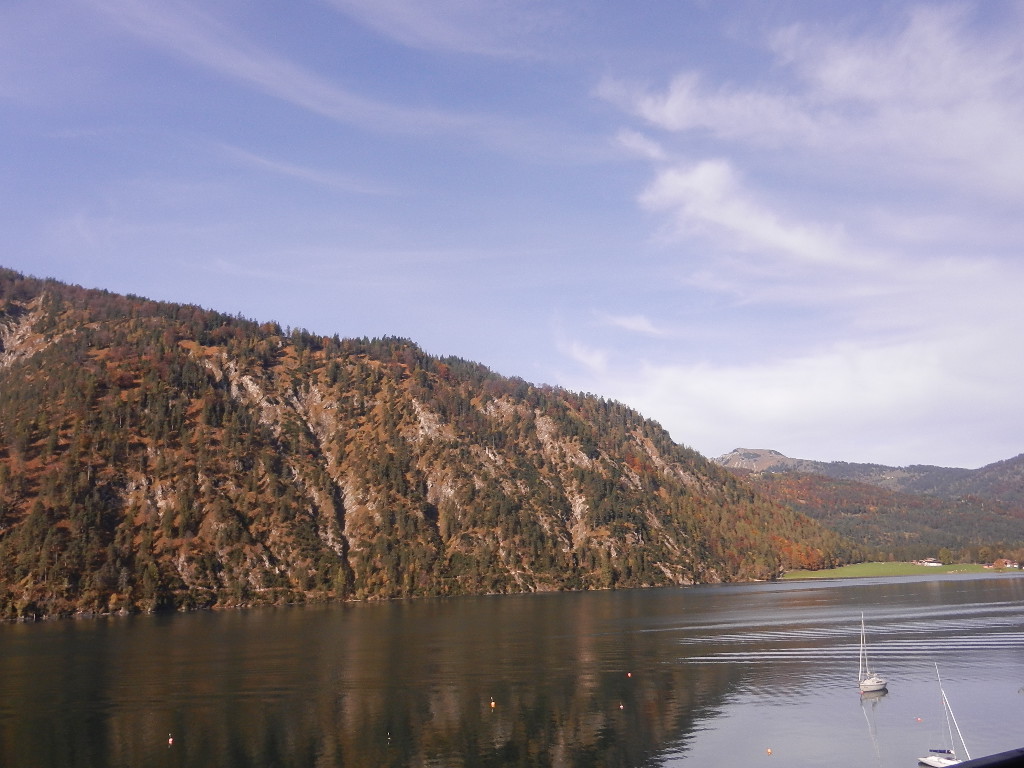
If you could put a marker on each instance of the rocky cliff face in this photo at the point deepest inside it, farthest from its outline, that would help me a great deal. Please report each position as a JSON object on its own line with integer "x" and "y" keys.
{"x": 163, "y": 456}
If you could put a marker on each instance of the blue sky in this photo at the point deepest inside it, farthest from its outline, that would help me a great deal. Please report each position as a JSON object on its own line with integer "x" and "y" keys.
{"x": 789, "y": 225}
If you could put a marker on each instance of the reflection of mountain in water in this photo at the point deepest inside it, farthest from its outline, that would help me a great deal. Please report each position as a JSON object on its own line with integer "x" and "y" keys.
{"x": 559, "y": 699}
{"x": 406, "y": 683}
{"x": 627, "y": 678}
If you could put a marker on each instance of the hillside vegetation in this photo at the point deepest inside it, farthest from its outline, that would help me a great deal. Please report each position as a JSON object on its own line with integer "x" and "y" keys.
{"x": 959, "y": 515}
{"x": 157, "y": 456}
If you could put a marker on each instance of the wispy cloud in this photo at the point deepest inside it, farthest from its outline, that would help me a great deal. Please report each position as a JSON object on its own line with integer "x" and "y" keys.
{"x": 930, "y": 98}
{"x": 633, "y": 323}
{"x": 497, "y": 28}
{"x": 199, "y": 37}
{"x": 934, "y": 90}
{"x": 312, "y": 175}
{"x": 930, "y": 105}
{"x": 642, "y": 145}
{"x": 727, "y": 112}
{"x": 708, "y": 197}
{"x": 593, "y": 359}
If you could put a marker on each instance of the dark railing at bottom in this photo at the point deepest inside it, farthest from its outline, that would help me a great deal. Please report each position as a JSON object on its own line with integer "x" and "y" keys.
{"x": 1012, "y": 759}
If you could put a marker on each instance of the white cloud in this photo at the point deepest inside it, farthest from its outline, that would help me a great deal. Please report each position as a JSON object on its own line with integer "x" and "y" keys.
{"x": 726, "y": 112}
{"x": 923, "y": 370}
{"x": 639, "y": 144}
{"x": 947, "y": 99}
{"x": 707, "y": 197}
{"x": 842, "y": 403}
{"x": 932, "y": 99}
{"x": 634, "y": 323}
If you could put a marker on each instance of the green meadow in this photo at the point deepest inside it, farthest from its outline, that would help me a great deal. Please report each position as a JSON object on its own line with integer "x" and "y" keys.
{"x": 861, "y": 570}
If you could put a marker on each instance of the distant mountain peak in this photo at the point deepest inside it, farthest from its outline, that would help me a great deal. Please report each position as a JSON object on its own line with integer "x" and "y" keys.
{"x": 1001, "y": 482}
{"x": 757, "y": 459}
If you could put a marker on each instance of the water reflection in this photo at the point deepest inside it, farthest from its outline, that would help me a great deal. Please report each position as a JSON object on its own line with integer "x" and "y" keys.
{"x": 869, "y": 701}
{"x": 713, "y": 675}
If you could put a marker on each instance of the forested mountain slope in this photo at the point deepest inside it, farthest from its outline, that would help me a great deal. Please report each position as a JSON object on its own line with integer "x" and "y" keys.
{"x": 905, "y": 526}
{"x": 1002, "y": 481}
{"x": 155, "y": 456}
{"x": 902, "y": 512}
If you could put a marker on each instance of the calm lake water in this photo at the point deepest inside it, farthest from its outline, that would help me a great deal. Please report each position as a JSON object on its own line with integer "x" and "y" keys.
{"x": 703, "y": 676}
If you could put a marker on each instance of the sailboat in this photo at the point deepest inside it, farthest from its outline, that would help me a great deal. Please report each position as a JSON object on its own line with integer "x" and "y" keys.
{"x": 868, "y": 680}
{"x": 940, "y": 758}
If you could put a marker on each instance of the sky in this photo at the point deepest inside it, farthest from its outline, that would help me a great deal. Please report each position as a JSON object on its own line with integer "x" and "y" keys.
{"x": 761, "y": 223}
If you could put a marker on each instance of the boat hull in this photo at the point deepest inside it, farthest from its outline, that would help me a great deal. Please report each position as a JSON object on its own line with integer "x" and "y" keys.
{"x": 938, "y": 761}
{"x": 873, "y": 683}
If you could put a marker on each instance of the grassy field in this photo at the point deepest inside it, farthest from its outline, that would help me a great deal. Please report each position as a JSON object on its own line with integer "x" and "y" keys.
{"x": 860, "y": 570}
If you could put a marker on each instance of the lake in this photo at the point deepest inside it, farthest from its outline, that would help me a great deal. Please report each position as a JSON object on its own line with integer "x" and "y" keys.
{"x": 702, "y": 676}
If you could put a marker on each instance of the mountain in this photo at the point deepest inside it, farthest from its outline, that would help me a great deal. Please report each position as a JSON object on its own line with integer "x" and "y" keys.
{"x": 905, "y": 511}
{"x": 764, "y": 460}
{"x": 162, "y": 456}
{"x": 1002, "y": 481}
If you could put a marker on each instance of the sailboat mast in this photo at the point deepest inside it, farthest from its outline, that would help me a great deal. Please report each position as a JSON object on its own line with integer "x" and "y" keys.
{"x": 950, "y": 717}
{"x": 863, "y": 667}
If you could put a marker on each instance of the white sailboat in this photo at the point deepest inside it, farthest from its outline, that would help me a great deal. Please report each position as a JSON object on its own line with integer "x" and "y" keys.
{"x": 940, "y": 758}
{"x": 868, "y": 680}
